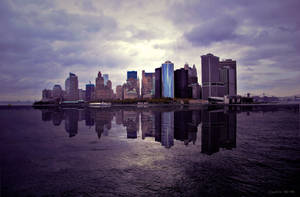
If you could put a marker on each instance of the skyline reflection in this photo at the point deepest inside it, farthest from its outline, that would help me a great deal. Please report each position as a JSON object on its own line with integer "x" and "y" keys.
{"x": 211, "y": 130}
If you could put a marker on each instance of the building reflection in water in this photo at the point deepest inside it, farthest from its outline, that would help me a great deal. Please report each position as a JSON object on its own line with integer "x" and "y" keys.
{"x": 103, "y": 122}
{"x": 71, "y": 121}
{"x": 218, "y": 128}
{"x": 218, "y": 131}
{"x": 131, "y": 122}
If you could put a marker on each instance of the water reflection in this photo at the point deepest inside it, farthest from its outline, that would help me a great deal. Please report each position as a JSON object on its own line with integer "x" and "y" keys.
{"x": 211, "y": 130}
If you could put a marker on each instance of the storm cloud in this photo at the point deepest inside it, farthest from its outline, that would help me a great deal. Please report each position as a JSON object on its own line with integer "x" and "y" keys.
{"x": 42, "y": 41}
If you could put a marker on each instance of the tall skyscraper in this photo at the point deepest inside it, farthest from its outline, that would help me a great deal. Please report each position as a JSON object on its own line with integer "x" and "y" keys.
{"x": 212, "y": 86}
{"x": 132, "y": 86}
{"x": 102, "y": 91}
{"x": 71, "y": 86}
{"x": 89, "y": 91}
{"x": 57, "y": 92}
{"x": 228, "y": 76}
{"x": 105, "y": 77}
{"x": 158, "y": 83}
{"x": 167, "y": 74}
{"x": 181, "y": 83}
{"x": 119, "y": 92}
{"x": 148, "y": 88}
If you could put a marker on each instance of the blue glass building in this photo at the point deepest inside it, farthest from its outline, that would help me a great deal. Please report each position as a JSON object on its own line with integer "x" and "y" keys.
{"x": 132, "y": 74}
{"x": 167, "y": 75}
{"x": 105, "y": 77}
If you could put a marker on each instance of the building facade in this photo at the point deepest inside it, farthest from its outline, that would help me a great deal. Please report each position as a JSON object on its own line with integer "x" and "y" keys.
{"x": 228, "y": 76}
{"x": 167, "y": 79}
{"x": 71, "y": 87}
{"x": 105, "y": 77}
{"x": 148, "y": 85}
{"x": 158, "y": 83}
{"x": 89, "y": 91}
{"x": 102, "y": 91}
{"x": 212, "y": 86}
{"x": 119, "y": 92}
{"x": 57, "y": 92}
{"x": 132, "y": 74}
{"x": 181, "y": 83}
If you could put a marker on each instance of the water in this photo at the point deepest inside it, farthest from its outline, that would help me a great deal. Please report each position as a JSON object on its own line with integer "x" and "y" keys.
{"x": 162, "y": 151}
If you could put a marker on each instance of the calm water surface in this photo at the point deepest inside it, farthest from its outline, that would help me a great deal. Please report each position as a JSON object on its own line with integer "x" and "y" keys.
{"x": 150, "y": 152}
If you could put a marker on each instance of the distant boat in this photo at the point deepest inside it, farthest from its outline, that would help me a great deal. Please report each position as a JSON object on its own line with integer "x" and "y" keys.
{"x": 98, "y": 105}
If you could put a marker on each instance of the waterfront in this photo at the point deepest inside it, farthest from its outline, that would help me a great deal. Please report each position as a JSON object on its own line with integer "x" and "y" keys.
{"x": 159, "y": 151}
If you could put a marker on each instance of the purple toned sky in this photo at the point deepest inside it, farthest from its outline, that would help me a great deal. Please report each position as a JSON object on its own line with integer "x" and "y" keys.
{"x": 42, "y": 41}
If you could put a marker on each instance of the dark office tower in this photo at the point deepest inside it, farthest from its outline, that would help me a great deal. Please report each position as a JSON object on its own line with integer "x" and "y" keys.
{"x": 167, "y": 129}
{"x": 89, "y": 89}
{"x": 212, "y": 86}
{"x": 158, "y": 83}
{"x": 181, "y": 83}
{"x": 131, "y": 75}
{"x": 71, "y": 122}
{"x": 228, "y": 76}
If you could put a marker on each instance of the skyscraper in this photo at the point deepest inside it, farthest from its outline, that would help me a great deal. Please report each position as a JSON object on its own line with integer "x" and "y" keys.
{"x": 71, "y": 86}
{"x": 57, "y": 92}
{"x": 167, "y": 76}
{"x": 158, "y": 83}
{"x": 148, "y": 88}
{"x": 105, "y": 77}
{"x": 212, "y": 86}
{"x": 102, "y": 91}
{"x": 132, "y": 74}
{"x": 89, "y": 90}
{"x": 181, "y": 83}
{"x": 228, "y": 76}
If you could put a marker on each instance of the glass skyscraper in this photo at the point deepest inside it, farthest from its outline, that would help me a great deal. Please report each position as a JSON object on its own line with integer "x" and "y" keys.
{"x": 105, "y": 77}
{"x": 131, "y": 74}
{"x": 167, "y": 74}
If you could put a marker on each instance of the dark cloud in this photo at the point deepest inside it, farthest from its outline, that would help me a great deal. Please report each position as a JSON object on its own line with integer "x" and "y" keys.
{"x": 214, "y": 30}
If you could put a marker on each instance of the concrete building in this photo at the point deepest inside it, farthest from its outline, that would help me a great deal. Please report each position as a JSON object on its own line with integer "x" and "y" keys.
{"x": 167, "y": 79}
{"x": 82, "y": 94}
{"x": 148, "y": 85}
{"x": 119, "y": 92}
{"x": 71, "y": 86}
{"x": 212, "y": 86}
{"x": 57, "y": 92}
{"x": 132, "y": 87}
{"x": 228, "y": 76}
{"x": 103, "y": 92}
{"x": 192, "y": 74}
{"x": 89, "y": 91}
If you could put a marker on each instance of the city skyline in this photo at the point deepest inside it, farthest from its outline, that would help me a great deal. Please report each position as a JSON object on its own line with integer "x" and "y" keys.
{"x": 41, "y": 42}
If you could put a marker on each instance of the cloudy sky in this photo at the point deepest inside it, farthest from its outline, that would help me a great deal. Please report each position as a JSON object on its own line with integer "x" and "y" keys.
{"x": 42, "y": 41}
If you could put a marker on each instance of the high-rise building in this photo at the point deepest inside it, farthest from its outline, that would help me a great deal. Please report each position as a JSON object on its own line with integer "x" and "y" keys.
{"x": 167, "y": 76}
{"x": 228, "y": 76}
{"x": 212, "y": 86}
{"x": 119, "y": 92}
{"x": 158, "y": 83}
{"x": 71, "y": 86}
{"x": 192, "y": 74}
{"x": 82, "y": 94}
{"x": 57, "y": 92}
{"x": 148, "y": 87}
{"x": 132, "y": 74}
{"x": 103, "y": 92}
{"x": 132, "y": 87}
{"x": 89, "y": 91}
{"x": 105, "y": 77}
{"x": 181, "y": 83}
